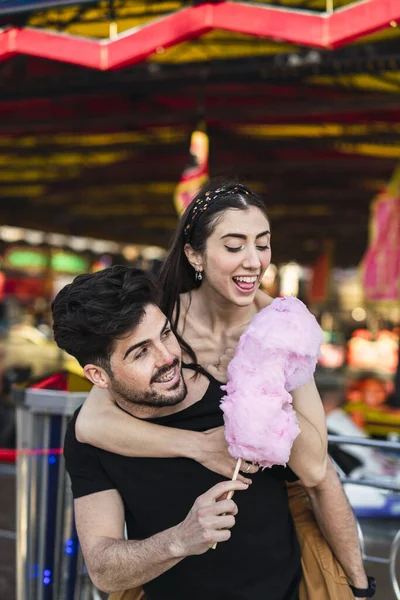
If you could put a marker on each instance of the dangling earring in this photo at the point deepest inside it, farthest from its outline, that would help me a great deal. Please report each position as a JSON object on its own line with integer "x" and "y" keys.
{"x": 199, "y": 276}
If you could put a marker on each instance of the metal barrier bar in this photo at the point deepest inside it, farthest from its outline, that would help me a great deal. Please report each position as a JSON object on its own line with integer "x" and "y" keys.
{"x": 49, "y": 562}
{"x": 371, "y": 483}
{"x": 376, "y": 559}
{"x": 360, "y": 441}
{"x": 394, "y": 548}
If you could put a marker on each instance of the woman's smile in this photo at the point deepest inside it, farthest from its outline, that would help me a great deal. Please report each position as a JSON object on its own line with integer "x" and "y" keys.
{"x": 246, "y": 284}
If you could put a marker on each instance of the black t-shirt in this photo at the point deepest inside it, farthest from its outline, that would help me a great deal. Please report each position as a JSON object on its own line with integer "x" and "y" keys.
{"x": 261, "y": 561}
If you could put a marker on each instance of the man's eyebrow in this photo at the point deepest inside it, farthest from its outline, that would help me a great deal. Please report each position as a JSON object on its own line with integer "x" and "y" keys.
{"x": 241, "y": 236}
{"x": 134, "y": 346}
{"x": 144, "y": 342}
{"x": 166, "y": 324}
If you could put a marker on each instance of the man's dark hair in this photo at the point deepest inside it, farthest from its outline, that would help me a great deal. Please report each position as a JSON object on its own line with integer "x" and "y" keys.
{"x": 94, "y": 310}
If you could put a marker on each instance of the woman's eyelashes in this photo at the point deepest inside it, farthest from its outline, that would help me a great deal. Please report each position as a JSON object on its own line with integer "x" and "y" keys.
{"x": 261, "y": 248}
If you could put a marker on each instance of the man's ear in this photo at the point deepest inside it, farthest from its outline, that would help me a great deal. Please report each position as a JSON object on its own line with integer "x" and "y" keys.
{"x": 194, "y": 258}
{"x": 97, "y": 375}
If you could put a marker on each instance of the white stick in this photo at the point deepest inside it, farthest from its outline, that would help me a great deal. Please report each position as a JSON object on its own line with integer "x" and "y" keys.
{"x": 230, "y": 494}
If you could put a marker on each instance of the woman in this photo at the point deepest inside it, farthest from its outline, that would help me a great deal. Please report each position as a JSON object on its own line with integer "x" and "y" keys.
{"x": 210, "y": 283}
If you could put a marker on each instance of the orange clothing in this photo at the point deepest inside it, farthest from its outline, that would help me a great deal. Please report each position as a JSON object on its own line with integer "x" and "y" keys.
{"x": 323, "y": 576}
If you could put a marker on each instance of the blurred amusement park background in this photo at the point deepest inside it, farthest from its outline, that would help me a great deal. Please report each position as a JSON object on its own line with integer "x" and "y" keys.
{"x": 111, "y": 115}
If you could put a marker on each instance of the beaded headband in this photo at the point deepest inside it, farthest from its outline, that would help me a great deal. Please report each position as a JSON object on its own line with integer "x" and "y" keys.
{"x": 203, "y": 202}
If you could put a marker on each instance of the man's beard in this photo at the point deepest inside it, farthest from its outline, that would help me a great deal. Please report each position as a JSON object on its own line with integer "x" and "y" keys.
{"x": 151, "y": 398}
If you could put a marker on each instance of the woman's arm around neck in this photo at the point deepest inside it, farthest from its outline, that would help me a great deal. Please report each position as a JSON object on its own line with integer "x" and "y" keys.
{"x": 102, "y": 424}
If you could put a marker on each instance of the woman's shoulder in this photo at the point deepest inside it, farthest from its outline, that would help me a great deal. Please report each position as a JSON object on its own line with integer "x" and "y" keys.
{"x": 262, "y": 300}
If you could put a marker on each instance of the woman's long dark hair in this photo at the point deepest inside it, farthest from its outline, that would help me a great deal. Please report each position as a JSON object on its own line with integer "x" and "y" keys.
{"x": 177, "y": 274}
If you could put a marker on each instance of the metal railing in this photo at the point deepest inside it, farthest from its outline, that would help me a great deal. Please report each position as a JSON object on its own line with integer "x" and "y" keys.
{"x": 49, "y": 560}
{"x": 395, "y": 545}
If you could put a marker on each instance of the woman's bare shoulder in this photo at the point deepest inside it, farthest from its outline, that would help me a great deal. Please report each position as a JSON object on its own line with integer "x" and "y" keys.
{"x": 262, "y": 300}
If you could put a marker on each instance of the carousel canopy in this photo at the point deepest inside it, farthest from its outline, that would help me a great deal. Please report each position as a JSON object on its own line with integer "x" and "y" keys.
{"x": 98, "y": 102}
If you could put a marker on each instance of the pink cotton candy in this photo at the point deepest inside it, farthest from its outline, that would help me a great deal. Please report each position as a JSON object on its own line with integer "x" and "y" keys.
{"x": 277, "y": 353}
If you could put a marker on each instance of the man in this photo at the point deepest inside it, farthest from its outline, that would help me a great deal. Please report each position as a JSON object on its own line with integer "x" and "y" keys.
{"x": 174, "y": 508}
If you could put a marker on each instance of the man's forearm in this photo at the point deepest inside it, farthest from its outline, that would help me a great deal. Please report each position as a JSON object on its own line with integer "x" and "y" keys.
{"x": 116, "y": 565}
{"x": 336, "y": 521}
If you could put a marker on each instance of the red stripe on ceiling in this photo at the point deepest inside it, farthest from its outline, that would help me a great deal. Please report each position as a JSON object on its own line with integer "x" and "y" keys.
{"x": 54, "y": 46}
{"x": 184, "y": 25}
{"x": 301, "y": 27}
{"x": 294, "y": 26}
{"x": 353, "y": 22}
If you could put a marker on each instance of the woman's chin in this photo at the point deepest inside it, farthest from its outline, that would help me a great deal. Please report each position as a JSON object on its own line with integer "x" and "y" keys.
{"x": 240, "y": 299}
{"x": 232, "y": 295}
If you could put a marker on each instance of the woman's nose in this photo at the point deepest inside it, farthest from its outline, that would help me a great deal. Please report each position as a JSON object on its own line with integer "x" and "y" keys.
{"x": 252, "y": 260}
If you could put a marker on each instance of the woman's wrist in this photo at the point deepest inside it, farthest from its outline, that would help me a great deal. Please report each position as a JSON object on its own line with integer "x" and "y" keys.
{"x": 190, "y": 444}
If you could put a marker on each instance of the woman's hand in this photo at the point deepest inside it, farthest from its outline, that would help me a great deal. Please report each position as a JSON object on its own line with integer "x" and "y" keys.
{"x": 214, "y": 456}
{"x": 220, "y": 370}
